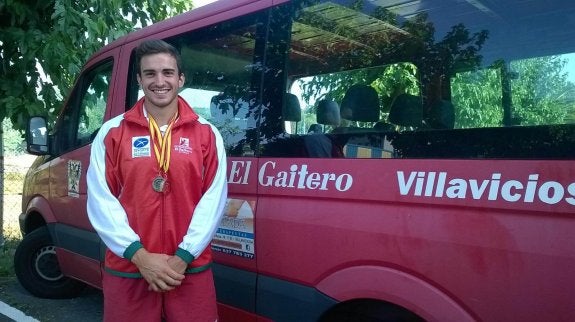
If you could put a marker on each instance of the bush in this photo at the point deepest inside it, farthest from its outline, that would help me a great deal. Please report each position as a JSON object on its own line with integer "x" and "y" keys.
{"x": 7, "y": 255}
{"x": 13, "y": 140}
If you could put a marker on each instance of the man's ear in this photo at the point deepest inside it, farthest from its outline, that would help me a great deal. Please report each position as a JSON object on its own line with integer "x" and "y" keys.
{"x": 182, "y": 80}
{"x": 139, "y": 79}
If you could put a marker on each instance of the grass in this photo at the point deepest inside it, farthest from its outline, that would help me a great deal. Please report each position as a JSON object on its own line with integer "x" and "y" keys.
{"x": 7, "y": 256}
{"x": 12, "y": 238}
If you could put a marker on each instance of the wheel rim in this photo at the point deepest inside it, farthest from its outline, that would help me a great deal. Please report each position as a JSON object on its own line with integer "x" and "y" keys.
{"x": 46, "y": 264}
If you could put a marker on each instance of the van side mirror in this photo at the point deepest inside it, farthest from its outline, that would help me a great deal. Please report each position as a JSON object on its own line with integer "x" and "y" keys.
{"x": 37, "y": 136}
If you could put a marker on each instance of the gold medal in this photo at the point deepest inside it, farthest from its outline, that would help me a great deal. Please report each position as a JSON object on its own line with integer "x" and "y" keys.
{"x": 159, "y": 184}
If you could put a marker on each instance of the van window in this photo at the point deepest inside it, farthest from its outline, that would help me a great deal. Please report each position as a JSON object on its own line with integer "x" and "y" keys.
{"x": 219, "y": 63}
{"x": 363, "y": 82}
{"x": 84, "y": 115}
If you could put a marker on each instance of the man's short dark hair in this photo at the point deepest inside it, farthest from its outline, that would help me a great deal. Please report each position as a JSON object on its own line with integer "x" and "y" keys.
{"x": 156, "y": 46}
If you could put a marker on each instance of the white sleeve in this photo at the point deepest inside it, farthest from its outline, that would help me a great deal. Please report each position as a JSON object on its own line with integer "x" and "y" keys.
{"x": 105, "y": 212}
{"x": 210, "y": 209}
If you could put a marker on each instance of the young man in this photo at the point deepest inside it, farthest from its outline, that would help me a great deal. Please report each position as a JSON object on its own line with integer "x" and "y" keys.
{"x": 156, "y": 193}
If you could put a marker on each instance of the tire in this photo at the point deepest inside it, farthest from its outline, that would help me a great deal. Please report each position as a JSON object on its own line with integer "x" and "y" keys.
{"x": 37, "y": 268}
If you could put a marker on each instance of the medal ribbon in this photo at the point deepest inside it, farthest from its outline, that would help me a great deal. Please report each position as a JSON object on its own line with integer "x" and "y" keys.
{"x": 162, "y": 143}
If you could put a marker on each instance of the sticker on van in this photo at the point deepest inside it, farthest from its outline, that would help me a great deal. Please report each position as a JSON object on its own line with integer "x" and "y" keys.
{"x": 74, "y": 174}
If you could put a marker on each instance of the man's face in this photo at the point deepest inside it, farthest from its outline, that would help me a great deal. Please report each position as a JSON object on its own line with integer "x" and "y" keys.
{"x": 160, "y": 79}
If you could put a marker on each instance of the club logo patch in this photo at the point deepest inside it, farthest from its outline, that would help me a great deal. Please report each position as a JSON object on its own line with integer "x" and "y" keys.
{"x": 141, "y": 146}
{"x": 184, "y": 146}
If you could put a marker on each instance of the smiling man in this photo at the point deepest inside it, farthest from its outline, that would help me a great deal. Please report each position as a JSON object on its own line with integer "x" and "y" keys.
{"x": 156, "y": 193}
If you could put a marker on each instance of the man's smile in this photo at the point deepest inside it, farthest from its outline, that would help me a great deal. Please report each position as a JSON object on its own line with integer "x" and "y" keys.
{"x": 161, "y": 91}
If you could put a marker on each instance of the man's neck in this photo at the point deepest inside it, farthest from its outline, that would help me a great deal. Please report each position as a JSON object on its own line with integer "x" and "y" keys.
{"x": 162, "y": 115}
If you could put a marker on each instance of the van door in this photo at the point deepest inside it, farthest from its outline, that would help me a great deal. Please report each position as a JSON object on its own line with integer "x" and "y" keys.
{"x": 78, "y": 124}
{"x": 220, "y": 67}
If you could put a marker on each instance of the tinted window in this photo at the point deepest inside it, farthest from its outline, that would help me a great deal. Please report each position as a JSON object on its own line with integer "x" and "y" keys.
{"x": 220, "y": 66}
{"x": 425, "y": 79}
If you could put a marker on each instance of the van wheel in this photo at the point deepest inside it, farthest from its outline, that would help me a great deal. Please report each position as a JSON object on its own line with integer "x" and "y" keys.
{"x": 368, "y": 310}
{"x": 37, "y": 268}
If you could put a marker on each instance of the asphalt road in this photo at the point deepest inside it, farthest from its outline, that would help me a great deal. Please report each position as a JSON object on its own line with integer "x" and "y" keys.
{"x": 86, "y": 308}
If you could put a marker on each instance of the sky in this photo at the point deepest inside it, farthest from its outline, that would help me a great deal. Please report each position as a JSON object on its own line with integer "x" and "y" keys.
{"x": 199, "y": 3}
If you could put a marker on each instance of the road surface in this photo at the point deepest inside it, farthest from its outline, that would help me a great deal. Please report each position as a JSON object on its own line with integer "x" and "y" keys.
{"x": 19, "y": 305}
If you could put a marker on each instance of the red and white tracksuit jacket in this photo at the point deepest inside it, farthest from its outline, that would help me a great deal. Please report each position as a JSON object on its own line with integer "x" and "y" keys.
{"x": 128, "y": 214}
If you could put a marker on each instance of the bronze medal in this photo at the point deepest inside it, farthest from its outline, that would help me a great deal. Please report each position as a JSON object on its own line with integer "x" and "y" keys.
{"x": 162, "y": 151}
{"x": 159, "y": 184}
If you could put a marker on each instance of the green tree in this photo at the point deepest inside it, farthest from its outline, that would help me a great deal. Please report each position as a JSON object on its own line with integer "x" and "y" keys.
{"x": 477, "y": 95}
{"x": 539, "y": 91}
{"x": 13, "y": 142}
{"x": 540, "y": 94}
{"x": 55, "y": 37}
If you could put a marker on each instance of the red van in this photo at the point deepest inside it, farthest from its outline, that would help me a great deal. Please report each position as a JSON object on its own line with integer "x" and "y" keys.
{"x": 388, "y": 160}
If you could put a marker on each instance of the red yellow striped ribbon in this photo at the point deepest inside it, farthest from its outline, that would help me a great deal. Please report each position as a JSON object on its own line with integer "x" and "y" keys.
{"x": 161, "y": 142}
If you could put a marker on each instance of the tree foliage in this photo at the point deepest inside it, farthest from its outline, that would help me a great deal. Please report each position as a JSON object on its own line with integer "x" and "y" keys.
{"x": 477, "y": 95}
{"x": 11, "y": 139}
{"x": 541, "y": 93}
{"x": 55, "y": 37}
{"x": 540, "y": 88}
